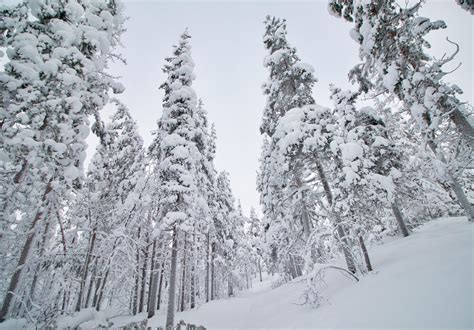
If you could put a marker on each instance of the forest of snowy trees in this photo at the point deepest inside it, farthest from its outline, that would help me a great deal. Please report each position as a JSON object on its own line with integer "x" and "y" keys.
{"x": 158, "y": 228}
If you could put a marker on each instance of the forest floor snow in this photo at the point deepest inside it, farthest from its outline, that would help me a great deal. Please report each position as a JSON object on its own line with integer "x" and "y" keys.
{"x": 421, "y": 281}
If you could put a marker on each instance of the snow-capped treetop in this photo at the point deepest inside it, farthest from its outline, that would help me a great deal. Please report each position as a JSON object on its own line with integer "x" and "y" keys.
{"x": 290, "y": 81}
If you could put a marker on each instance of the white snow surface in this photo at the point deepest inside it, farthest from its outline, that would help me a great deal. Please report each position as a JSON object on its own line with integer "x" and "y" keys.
{"x": 421, "y": 281}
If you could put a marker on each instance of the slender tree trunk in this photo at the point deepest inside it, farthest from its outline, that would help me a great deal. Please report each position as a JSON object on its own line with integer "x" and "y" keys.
{"x": 162, "y": 271}
{"x": 153, "y": 282}
{"x": 207, "y": 267}
{"x": 259, "y": 269}
{"x": 401, "y": 223}
{"x": 305, "y": 220}
{"x": 172, "y": 284}
{"x": 137, "y": 278}
{"x": 340, "y": 231}
{"x": 144, "y": 277}
{"x": 298, "y": 268}
{"x": 230, "y": 289}
{"x": 193, "y": 261}
{"x": 213, "y": 250}
{"x": 463, "y": 125}
{"x": 102, "y": 289}
{"x": 95, "y": 298}
{"x": 61, "y": 228}
{"x": 15, "y": 279}
{"x": 64, "y": 301}
{"x": 345, "y": 248}
{"x": 247, "y": 277}
{"x": 91, "y": 283}
{"x": 193, "y": 289}
{"x": 183, "y": 277}
{"x": 365, "y": 253}
{"x": 294, "y": 271}
{"x": 85, "y": 272}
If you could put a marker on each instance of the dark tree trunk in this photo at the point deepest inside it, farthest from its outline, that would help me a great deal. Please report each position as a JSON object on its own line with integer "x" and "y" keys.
{"x": 137, "y": 279}
{"x": 152, "y": 290}
{"x": 86, "y": 269}
{"x": 144, "y": 277}
{"x": 183, "y": 276}
{"x": 365, "y": 253}
{"x": 193, "y": 261}
{"x": 213, "y": 250}
{"x": 399, "y": 218}
{"x": 172, "y": 284}
{"x": 91, "y": 283}
{"x": 208, "y": 257}
{"x": 95, "y": 298}
{"x": 340, "y": 230}
{"x": 162, "y": 271}
{"x": 102, "y": 289}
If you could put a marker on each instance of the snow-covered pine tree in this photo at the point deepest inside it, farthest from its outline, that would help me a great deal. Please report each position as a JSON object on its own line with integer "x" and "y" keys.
{"x": 55, "y": 80}
{"x": 289, "y": 85}
{"x": 290, "y": 82}
{"x": 179, "y": 157}
{"x": 398, "y": 65}
{"x": 302, "y": 144}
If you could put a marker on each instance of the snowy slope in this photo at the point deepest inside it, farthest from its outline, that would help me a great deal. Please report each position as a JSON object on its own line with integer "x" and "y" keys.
{"x": 425, "y": 280}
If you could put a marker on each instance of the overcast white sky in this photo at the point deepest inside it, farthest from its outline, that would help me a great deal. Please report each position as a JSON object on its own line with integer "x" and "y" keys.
{"x": 228, "y": 53}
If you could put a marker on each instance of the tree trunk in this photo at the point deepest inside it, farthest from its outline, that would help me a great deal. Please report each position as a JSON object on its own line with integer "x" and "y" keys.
{"x": 340, "y": 231}
{"x": 152, "y": 290}
{"x": 463, "y": 125}
{"x": 213, "y": 250}
{"x": 193, "y": 261}
{"x": 15, "y": 279}
{"x": 137, "y": 279}
{"x": 305, "y": 220}
{"x": 259, "y": 269}
{"x": 230, "y": 289}
{"x": 183, "y": 277}
{"x": 98, "y": 284}
{"x": 144, "y": 267}
{"x": 291, "y": 267}
{"x": 365, "y": 253}
{"x": 207, "y": 268}
{"x": 398, "y": 216}
{"x": 172, "y": 284}
{"x": 345, "y": 248}
{"x": 91, "y": 283}
{"x": 247, "y": 277}
{"x": 102, "y": 289}
{"x": 160, "y": 285}
{"x": 86, "y": 270}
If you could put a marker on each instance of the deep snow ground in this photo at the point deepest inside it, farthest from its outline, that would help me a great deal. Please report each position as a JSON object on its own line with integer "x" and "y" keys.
{"x": 422, "y": 281}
